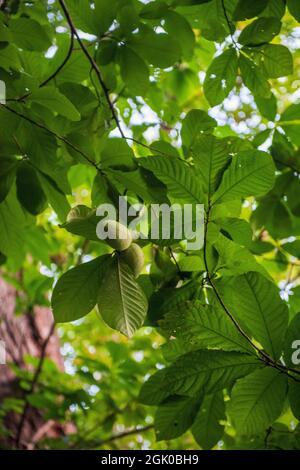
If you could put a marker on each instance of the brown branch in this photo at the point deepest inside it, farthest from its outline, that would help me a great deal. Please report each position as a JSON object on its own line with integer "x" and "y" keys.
{"x": 263, "y": 356}
{"x": 34, "y": 383}
{"x": 61, "y": 66}
{"x": 59, "y": 137}
{"x": 119, "y": 436}
{"x": 93, "y": 65}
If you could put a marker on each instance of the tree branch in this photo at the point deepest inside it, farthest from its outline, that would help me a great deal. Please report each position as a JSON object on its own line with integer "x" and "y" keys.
{"x": 93, "y": 65}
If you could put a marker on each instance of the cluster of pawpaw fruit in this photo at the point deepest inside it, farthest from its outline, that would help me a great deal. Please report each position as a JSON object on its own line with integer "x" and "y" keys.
{"x": 120, "y": 238}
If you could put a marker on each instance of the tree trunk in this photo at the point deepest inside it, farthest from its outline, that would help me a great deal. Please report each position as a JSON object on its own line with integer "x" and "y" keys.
{"x": 27, "y": 334}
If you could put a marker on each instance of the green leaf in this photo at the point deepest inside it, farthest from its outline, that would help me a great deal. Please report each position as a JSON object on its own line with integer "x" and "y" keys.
{"x": 290, "y": 121}
{"x": 160, "y": 50}
{"x": 220, "y": 77}
{"x": 76, "y": 291}
{"x": 116, "y": 153}
{"x": 238, "y": 229}
{"x": 52, "y": 99}
{"x": 55, "y": 196}
{"x": 256, "y": 303}
{"x": 267, "y": 106}
{"x": 204, "y": 326}
{"x": 276, "y": 60}
{"x": 95, "y": 20}
{"x": 249, "y": 174}
{"x": 198, "y": 372}
{"x": 210, "y": 156}
{"x": 134, "y": 71}
{"x": 294, "y": 8}
{"x": 178, "y": 27}
{"x": 207, "y": 429}
{"x": 175, "y": 416}
{"x": 195, "y": 123}
{"x": 29, "y": 34}
{"x": 179, "y": 178}
{"x": 8, "y": 167}
{"x": 82, "y": 221}
{"x": 294, "y": 398}
{"x": 257, "y": 400}
{"x": 259, "y": 31}
{"x": 235, "y": 259}
{"x": 293, "y": 248}
{"x": 292, "y": 343}
{"x": 29, "y": 190}
{"x": 13, "y": 221}
{"x": 245, "y": 9}
{"x": 254, "y": 77}
{"x": 121, "y": 302}
{"x": 9, "y": 58}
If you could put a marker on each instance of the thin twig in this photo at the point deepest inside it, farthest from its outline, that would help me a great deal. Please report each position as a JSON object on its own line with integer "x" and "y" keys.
{"x": 93, "y": 65}
{"x": 119, "y": 436}
{"x": 59, "y": 137}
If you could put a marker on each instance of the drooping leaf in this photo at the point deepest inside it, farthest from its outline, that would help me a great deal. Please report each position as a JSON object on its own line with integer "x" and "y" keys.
{"x": 195, "y": 123}
{"x": 207, "y": 429}
{"x": 29, "y": 190}
{"x": 29, "y": 34}
{"x": 56, "y": 102}
{"x": 205, "y": 326}
{"x": 220, "y": 77}
{"x": 121, "y": 302}
{"x": 179, "y": 178}
{"x": 257, "y": 400}
{"x": 75, "y": 293}
{"x": 134, "y": 71}
{"x": 254, "y": 77}
{"x": 260, "y": 31}
{"x": 175, "y": 416}
{"x": 198, "y": 372}
{"x": 255, "y": 301}
{"x": 8, "y": 167}
{"x": 249, "y": 174}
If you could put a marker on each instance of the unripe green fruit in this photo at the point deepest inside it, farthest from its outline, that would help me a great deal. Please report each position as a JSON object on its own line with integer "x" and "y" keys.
{"x": 118, "y": 236}
{"x": 134, "y": 257}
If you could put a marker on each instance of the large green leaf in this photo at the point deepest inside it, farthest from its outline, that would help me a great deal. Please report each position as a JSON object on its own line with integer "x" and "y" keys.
{"x": 294, "y": 8}
{"x": 249, "y": 174}
{"x": 245, "y": 9}
{"x": 29, "y": 34}
{"x": 195, "y": 123}
{"x": 75, "y": 293}
{"x": 52, "y": 99}
{"x": 210, "y": 155}
{"x": 134, "y": 71}
{"x": 220, "y": 77}
{"x": 8, "y": 167}
{"x": 121, "y": 301}
{"x": 254, "y": 77}
{"x": 29, "y": 190}
{"x": 175, "y": 416}
{"x": 207, "y": 429}
{"x": 256, "y": 303}
{"x": 257, "y": 400}
{"x": 260, "y": 31}
{"x": 179, "y": 178}
{"x": 177, "y": 26}
{"x": 204, "y": 326}
{"x": 160, "y": 50}
{"x": 198, "y": 372}
{"x": 276, "y": 60}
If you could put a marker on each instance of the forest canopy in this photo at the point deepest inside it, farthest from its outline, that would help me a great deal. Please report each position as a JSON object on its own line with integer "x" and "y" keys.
{"x": 158, "y": 345}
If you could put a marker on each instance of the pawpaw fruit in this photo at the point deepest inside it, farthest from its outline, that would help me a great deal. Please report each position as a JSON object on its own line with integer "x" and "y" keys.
{"x": 134, "y": 258}
{"x": 118, "y": 236}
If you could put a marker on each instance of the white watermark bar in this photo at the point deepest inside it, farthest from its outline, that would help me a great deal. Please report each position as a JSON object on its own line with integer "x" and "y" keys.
{"x": 2, "y": 353}
{"x": 156, "y": 221}
{"x": 2, "y": 92}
